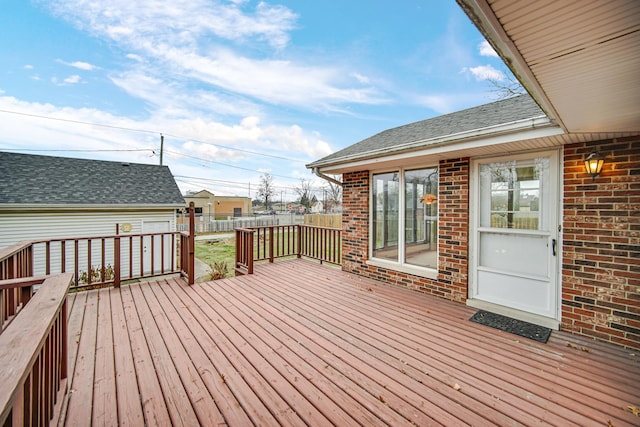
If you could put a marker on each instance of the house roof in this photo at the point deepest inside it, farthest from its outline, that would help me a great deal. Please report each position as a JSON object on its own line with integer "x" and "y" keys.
{"x": 578, "y": 63}
{"x": 439, "y": 130}
{"x": 36, "y": 180}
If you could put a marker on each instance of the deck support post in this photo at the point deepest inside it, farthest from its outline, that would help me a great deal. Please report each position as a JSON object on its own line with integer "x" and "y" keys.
{"x": 192, "y": 243}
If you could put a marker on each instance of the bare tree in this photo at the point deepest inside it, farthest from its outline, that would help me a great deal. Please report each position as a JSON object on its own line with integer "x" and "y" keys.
{"x": 304, "y": 191}
{"x": 266, "y": 190}
{"x": 334, "y": 195}
{"x": 507, "y": 87}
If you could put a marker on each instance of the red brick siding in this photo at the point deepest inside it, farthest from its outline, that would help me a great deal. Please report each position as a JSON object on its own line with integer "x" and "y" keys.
{"x": 601, "y": 243}
{"x": 453, "y": 235}
{"x": 601, "y": 240}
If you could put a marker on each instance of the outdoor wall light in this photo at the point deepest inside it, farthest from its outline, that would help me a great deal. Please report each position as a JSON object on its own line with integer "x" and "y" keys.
{"x": 593, "y": 164}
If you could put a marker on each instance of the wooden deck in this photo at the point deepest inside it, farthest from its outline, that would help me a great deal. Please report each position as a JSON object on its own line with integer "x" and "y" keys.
{"x": 302, "y": 344}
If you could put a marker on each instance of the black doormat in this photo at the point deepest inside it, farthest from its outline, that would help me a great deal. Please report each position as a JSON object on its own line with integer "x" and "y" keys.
{"x": 514, "y": 326}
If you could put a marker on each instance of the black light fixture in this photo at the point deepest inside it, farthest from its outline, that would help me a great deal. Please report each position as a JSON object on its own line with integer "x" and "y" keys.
{"x": 593, "y": 164}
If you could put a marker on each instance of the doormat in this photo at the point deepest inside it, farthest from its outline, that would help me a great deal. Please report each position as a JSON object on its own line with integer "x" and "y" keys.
{"x": 514, "y": 326}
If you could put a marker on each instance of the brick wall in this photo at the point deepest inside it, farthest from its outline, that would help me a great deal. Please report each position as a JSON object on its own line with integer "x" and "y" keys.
{"x": 601, "y": 240}
{"x": 453, "y": 235}
{"x": 601, "y": 243}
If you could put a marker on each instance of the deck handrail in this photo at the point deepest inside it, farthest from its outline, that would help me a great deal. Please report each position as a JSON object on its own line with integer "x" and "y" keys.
{"x": 268, "y": 243}
{"x": 33, "y": 355}
{"x": 105, "y": 260}
{"x": 98, "y": 261}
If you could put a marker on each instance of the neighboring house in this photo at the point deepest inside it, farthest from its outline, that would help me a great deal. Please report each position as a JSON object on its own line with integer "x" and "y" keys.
{"x": 491, "y": 206}
{"x": 45, "y": 197}
{"x": 208, "y": 205}
{"x": 317, "y": 207}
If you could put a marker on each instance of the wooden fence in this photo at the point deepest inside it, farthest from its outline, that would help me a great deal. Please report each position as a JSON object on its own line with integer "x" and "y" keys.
{"x": 324, "y": 220}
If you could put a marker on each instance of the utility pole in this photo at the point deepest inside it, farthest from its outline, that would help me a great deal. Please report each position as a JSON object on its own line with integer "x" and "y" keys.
{"x": 161, "y": 147}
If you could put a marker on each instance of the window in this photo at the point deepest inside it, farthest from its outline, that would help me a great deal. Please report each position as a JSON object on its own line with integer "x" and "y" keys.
{"x": 408, "y": 237}
{"x": 512, "y": 194}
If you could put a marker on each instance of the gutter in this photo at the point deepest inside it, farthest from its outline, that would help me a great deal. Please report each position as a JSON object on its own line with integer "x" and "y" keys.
{"x": 539, "y": 122}
{"x": 316, "y": 171}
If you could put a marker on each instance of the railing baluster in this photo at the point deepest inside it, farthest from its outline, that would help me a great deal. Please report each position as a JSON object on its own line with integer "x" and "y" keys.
{"x": 116, "y": 261}
{"x": 63, "y": 256}
{"x": 130, "y": 256}
{"x": 103, "y": 263}
{"x": 75, "y": 260}
{"x": 271, "y": 247}
{"x": 162, "y": 253}
{"x": 47, "y": 258}
{"x": 89, "y": 269}
{"x": 141, "y": 256}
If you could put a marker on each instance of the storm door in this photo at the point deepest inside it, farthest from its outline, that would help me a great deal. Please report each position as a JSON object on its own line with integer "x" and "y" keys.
{"x": 515, "y": 240}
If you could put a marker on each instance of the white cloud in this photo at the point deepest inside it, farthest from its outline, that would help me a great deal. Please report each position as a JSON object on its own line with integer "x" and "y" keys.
{"x": 135, "y": 57}
{"x": 442, "y": 104}
{"x": 195, "y": 136}
{"x": 486, "y": 49}
{"x": 81, "y": 65}
{"x": 137, "y": 21}
{"x": 486, "y": 72}
{"x": 360, "y": 78}
{"x": 28, "y": 67}
{"x": 72, "y": 79}
{"x": 185, "y": 41}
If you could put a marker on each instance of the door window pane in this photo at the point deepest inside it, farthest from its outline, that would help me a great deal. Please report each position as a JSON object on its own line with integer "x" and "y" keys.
{"x": 386, "y": 201}
{"x": 511, "y": 194}
{"x": 421, "y": 217}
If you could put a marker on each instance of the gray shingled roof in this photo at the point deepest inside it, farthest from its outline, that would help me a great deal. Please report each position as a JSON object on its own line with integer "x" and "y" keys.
{"x": 46, "y": 180}
{"x": 408, "y": 136}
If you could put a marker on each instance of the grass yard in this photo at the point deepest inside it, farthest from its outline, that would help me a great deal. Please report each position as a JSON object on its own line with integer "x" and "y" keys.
{"x": 218, "y": 250}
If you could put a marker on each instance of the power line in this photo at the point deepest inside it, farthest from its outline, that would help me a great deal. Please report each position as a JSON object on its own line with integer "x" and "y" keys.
{"x": 79, "y": 151}
{"x": 238, "y": 149}
{"x": 149, "y": 132}
{"x": 225, "y": 164}
{"x": 152, "y": 150}
{"x": 76, "y": 121}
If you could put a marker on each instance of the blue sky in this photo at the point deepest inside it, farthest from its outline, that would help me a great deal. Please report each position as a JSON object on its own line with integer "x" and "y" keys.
{"x": 236, "y": 87}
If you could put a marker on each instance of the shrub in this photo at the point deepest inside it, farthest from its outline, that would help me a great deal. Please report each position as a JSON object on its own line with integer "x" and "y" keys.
{"x": 219, "y": 270}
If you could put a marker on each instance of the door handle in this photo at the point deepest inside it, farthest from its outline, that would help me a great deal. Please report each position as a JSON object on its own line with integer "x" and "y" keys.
{"x": 553, "y": 247}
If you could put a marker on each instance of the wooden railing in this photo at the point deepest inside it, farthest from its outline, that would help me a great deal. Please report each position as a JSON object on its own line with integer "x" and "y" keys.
{"x": 273, "y": 242}
{"x": 33, "y": 353}
{"x": 101, "y": 260}
{"x": 244, "y": 251}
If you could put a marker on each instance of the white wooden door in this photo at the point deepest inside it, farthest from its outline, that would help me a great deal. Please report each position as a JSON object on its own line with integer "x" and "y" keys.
{"x": 515, "y": 237}
{"x": 156, "y": 249}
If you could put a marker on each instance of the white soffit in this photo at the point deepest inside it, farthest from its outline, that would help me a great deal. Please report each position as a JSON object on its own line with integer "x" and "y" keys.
{"x": 579, "y": 59}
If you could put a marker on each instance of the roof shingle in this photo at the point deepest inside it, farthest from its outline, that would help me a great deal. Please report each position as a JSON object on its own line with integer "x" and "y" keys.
{"x": 48, "y": 180}
{"x": 481, "y": 117}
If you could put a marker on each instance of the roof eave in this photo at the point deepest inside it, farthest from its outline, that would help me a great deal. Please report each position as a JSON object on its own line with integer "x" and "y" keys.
{"x": 482, "y": 16}
{"x": 443, "y": 143}
{"x": 86, "y": 207}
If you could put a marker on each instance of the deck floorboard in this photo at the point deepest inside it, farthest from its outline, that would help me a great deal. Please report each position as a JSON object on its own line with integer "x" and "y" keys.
{"x": 298, "y": 343}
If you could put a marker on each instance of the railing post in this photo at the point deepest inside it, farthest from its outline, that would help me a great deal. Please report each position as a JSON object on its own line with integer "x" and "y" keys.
{"x": 250, "y": 253}
{"x": 192, "y": 244}
{"x": 271, "y": 246}
{"x": 116, "y": 258}
{"x": 299, "y": 249}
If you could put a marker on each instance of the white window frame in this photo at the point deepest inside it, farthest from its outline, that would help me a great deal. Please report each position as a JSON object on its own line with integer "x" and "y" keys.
{"x": 399, "y": 265}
